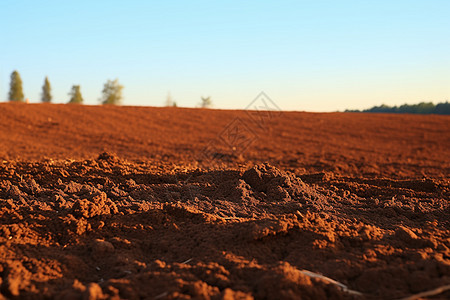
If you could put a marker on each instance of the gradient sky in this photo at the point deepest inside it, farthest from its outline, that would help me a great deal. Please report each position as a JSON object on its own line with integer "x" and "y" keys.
{"x": 306, "y": 55}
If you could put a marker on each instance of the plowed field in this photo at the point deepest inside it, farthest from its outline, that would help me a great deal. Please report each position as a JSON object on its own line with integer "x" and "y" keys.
{"x": 172, "y": 203}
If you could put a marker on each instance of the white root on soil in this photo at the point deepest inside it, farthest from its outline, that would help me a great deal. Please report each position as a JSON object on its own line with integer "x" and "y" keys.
{"x": 162, "y": 295}
{"x": 429, "y": 293}
{"x": 187, "y": 261}
{"x": 332, "y": 281}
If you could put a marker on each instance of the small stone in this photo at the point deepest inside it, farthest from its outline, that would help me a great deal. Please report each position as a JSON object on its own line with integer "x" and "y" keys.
{"x": 100, "y": 247}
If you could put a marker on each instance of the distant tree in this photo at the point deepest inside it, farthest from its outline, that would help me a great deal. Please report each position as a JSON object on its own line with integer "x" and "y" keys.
{"x": 46, "y": 91}
{"x": 383, "y": 108}
{"x": 424, "y": 108}
{"x": 169, "y": 100}
{"x": 206, "y": 102}
{"x": 443, "y": 108}
{"x": 15, "y": 89}
{"x": 420, "y": 108}
{"x": 75, "y": 95}
{"x": 112, "y": 92}
{"x": 174, "y": 104}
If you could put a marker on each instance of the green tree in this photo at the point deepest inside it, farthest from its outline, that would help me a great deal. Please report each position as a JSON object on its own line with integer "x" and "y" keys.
{"x": 420, "y": 108}
{"x": 425, "y": 108}
{"x": 206, "y": 102}
{"x": 15, "y": 89}
{"x": 46, "y": 91}
{"x": 443, "y": 108}
{"x": 75, "y": 95}
{"x": 112, "y": 92}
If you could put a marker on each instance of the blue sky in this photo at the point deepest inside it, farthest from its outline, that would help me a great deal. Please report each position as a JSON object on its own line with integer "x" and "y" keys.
{"x": 306, "y": 55}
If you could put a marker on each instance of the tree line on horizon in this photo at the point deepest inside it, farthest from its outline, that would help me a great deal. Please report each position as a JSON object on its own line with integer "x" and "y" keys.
{"x": 111, "y": 93}
{"x": 420, "y": 108}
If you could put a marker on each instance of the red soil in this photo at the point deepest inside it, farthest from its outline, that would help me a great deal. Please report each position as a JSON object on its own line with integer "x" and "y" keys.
{"x": 215, "y": 204}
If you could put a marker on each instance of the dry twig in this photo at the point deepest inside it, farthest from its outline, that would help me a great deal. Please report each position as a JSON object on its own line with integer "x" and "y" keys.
{"x": 429, "y": 293}
{"x": 332, "y": 281}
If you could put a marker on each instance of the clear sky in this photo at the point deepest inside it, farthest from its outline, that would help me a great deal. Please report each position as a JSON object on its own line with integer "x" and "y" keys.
{"x": 306, "y": 55}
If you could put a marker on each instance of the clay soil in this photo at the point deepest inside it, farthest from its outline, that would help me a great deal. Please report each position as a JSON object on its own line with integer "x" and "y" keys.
{"x": 171, "y": 203}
